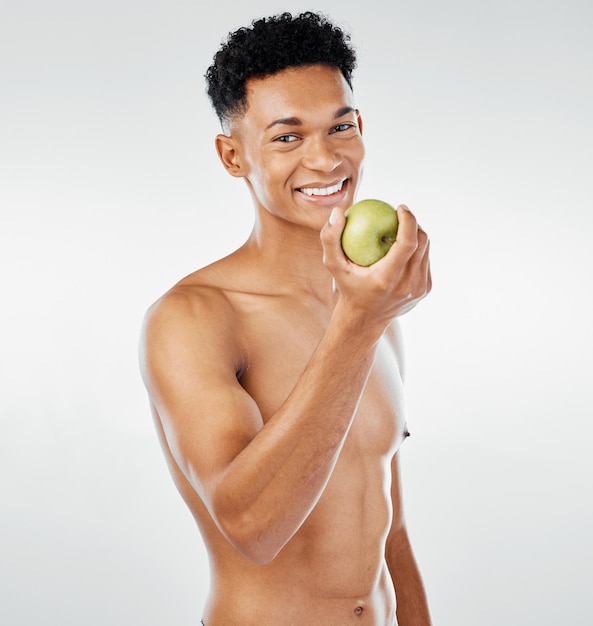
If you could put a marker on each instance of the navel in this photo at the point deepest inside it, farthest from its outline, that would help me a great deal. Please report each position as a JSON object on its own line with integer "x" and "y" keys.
{"x": 358, "y": 611}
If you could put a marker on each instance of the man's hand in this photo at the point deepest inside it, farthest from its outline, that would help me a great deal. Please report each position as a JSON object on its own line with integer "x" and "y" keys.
{"x": 391, "y": 286}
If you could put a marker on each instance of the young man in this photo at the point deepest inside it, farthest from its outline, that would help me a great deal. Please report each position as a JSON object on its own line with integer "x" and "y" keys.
{"x": 275, "y": 374}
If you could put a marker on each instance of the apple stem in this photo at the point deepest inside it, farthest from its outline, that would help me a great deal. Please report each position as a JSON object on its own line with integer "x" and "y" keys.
{"x": 387, "y": 240}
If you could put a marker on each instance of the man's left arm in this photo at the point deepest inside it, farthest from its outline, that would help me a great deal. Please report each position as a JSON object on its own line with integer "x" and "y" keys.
{"x": 412, "y": 605}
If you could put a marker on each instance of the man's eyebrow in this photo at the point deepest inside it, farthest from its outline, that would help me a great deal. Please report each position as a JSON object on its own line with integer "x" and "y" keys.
{"x": 295, "y": 121}
{"x": 344, "y": 111}
{"x": 285, "y": 121}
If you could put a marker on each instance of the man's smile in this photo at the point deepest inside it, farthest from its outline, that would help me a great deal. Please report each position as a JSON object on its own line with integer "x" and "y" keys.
{"x": 322, "y": 191}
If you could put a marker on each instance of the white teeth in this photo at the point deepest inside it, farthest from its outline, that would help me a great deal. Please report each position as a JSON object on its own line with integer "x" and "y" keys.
{"x": 322, "y": 191}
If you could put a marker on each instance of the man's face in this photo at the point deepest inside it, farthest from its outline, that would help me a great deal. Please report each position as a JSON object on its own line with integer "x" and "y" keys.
{"x": 299, "y": 144}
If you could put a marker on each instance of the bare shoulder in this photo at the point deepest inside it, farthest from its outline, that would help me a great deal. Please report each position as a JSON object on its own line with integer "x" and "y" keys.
{"x": 199, "y": 298}
{"x": 195, "y": 317}
{"x": 189, "y": 301}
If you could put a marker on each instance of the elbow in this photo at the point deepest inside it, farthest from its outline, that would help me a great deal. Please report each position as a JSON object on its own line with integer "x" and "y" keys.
{"x": 257, "y": 554}
{"x": 250, "y": 537}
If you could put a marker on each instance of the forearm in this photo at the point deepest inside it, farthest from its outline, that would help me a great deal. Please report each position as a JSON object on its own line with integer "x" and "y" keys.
{"x": 412, "y": 603}
{"x": 269, "y": 489}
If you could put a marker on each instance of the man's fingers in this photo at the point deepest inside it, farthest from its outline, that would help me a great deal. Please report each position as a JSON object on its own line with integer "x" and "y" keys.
{"x": 425, "y": 264}
{"x": 331, "y": 238}
{"x": 407, "y": 231}
{"x": 423, "y": 243}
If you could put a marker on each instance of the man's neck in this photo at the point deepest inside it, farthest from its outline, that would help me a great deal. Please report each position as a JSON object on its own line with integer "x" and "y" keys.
{"x": 291, "y": 256}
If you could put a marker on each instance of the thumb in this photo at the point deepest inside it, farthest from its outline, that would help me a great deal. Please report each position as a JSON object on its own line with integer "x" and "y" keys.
{"x": 331, "y": 239}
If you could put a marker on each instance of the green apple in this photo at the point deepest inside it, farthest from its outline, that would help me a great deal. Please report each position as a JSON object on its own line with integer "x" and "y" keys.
{"x": 370, "y": 230}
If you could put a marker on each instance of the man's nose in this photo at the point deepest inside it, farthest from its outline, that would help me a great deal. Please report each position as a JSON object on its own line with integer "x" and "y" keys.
{"x": 321, "y": 155}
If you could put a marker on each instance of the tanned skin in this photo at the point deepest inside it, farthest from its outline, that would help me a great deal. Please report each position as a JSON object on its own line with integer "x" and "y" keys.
{"x": 275, "y": 379}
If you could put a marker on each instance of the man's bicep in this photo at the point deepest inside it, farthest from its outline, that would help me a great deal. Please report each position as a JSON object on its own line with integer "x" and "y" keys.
{"x": 207, "y": 426}
{"x": 190, "y": 370}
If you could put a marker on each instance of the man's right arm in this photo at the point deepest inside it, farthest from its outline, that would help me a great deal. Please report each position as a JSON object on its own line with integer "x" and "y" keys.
{"x": 260, "y": 481}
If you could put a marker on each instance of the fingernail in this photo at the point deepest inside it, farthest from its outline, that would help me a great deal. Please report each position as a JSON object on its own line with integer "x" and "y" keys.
{"x": 333, "y": 216}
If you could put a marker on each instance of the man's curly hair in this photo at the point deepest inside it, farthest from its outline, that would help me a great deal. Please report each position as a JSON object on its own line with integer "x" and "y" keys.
{"x": 270, "y": 45}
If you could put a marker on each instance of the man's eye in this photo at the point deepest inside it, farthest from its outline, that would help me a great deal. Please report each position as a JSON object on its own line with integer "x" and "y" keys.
{"x": 342, "y": 127}
{"x": 286, "y": 138}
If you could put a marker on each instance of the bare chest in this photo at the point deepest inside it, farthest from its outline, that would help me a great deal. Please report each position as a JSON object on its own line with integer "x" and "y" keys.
{"x": 278, "y": 343}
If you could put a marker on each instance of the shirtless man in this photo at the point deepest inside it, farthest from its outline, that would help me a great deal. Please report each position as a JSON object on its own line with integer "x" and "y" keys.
{"x": 275, "y": 374}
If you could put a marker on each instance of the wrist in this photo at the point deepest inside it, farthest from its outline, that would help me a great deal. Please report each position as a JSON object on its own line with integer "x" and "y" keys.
{"x": 357, "y": 322}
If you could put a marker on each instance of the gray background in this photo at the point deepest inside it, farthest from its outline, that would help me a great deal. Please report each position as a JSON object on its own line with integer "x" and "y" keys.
{"x": 477, "y": 115}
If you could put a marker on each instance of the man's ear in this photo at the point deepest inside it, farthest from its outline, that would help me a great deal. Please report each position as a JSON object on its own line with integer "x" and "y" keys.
{"x": 359, "y": 119}
{"x": 227, "y": 149}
